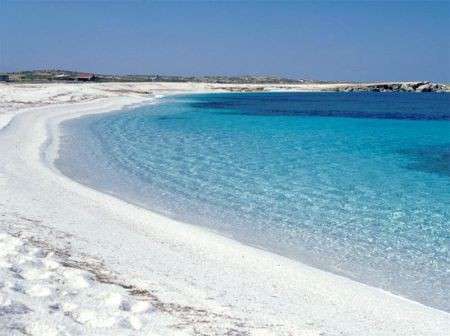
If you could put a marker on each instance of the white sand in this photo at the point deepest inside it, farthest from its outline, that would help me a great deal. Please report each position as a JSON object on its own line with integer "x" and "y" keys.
{"x": 74, "y": 261}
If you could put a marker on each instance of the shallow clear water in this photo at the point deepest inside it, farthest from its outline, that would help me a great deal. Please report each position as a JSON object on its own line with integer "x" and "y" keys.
{"x": 354, "y": 183}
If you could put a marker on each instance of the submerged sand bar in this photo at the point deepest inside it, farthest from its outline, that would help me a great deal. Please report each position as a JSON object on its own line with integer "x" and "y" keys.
{"x": 194, "y": 281}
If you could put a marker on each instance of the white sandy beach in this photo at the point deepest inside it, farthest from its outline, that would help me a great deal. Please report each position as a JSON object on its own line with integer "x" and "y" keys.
{"x": 75, "y": 261}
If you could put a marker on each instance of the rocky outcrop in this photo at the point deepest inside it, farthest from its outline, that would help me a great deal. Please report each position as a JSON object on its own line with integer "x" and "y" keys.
{"x": 394, "y": 87}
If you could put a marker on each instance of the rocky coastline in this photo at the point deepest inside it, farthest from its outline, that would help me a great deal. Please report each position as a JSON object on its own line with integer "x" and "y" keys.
{"x": 393, "y": 87}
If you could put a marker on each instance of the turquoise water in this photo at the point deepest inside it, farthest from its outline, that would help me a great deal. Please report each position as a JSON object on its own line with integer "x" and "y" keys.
{"x": 354, "y": 183}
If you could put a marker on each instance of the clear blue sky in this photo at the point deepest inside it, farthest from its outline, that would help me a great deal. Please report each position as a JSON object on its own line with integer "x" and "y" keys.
{"x": 316, "y": 40}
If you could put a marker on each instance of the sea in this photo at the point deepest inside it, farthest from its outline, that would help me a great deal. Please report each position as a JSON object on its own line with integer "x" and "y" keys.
{"x": 357, "y": 184}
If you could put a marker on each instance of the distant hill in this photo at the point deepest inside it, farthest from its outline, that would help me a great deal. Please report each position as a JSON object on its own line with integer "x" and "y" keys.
{"x": 58, "y": 76}
{"x": 67, "y": 75}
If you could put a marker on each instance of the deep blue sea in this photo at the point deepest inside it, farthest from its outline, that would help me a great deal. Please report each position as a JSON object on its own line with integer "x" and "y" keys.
{"x": 354, "y": 183}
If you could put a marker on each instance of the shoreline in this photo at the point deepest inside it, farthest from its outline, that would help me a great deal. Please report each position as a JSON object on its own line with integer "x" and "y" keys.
{"x": 185, "y": 263}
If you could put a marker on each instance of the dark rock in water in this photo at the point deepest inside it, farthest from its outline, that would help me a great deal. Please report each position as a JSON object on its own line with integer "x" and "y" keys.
{"x": 428, "y": 87}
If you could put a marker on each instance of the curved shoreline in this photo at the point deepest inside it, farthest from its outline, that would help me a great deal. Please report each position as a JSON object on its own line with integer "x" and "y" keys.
{"x": 219, "y": 272}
